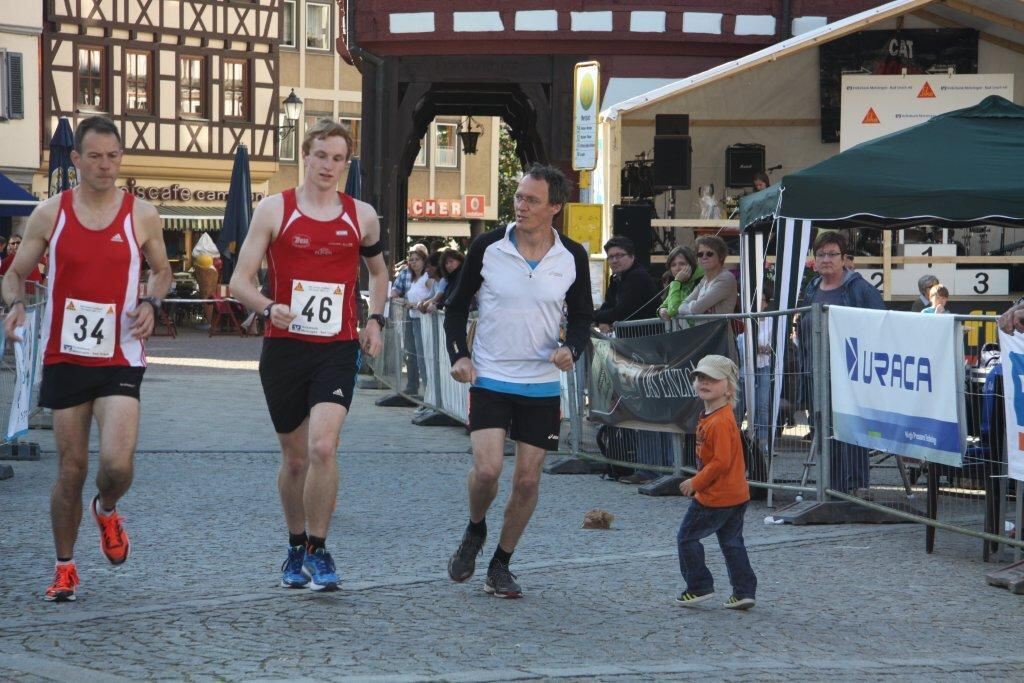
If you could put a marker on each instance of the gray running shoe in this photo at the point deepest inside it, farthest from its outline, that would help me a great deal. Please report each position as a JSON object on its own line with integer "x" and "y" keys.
{"x": 501, "y": 583}
{"x": 462, "y": 563}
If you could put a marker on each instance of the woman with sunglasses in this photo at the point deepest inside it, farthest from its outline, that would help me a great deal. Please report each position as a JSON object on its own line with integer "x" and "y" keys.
{"x": 717, "y": 291}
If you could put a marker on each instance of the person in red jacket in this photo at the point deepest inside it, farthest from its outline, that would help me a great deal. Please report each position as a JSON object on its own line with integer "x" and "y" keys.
{"x": 719, "y": 490}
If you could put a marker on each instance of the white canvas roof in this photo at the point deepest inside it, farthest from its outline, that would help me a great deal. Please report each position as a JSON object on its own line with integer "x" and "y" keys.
{"x": 999, "y": 21}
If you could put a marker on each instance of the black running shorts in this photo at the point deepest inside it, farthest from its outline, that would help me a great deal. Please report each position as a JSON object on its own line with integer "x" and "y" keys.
{"x": 296, "y": 375}
{"x": 66, "y": 385}
{"x": 530, "y": 419}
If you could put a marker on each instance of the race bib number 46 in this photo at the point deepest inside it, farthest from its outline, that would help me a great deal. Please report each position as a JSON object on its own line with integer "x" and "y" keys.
{"x": 88, "y": 329}
{"x": 318, "y": 308}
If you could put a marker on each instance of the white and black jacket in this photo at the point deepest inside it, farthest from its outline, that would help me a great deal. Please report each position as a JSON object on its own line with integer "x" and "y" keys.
{"x": 520, "y": 309}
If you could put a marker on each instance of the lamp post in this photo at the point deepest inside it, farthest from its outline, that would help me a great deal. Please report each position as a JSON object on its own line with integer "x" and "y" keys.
{"x": 292, "y": 111}
{"x": 469, "y": 136}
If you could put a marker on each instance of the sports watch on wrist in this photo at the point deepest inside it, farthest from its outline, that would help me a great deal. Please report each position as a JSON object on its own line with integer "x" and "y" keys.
{"x": 152, "y": 301}
{"x": 381, "y": 320}
{"x": 266, "y": 311}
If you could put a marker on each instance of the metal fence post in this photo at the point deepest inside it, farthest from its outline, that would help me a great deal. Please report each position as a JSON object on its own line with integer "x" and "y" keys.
{"x": 822, "y": 414}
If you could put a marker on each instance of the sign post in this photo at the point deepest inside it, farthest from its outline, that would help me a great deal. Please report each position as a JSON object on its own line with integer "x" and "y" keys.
{"x": 586, "y": 104}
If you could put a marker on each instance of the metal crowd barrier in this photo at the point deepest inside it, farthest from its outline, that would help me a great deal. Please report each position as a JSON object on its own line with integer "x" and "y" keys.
{"x": 791, "y": 452}
{"x": 10, "y": 372}
{"x": 415, "y": 365}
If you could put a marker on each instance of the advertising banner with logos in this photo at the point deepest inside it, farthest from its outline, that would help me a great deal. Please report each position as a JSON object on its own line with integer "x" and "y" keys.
{"x": 895, "y": 382}
{"x": 1012, "y": 348}
{"x": 873, "y": 106}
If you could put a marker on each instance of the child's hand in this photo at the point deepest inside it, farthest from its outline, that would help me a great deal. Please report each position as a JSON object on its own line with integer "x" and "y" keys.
{"x": 686, "y": 487}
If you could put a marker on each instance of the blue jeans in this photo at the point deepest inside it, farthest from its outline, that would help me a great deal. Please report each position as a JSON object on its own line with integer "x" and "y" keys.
{"x": 700, "y": 522}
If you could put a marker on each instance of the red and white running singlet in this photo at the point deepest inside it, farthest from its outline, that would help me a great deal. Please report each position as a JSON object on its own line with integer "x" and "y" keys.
{"x": 313, "y": 268}
{"x": 93, "y": 284}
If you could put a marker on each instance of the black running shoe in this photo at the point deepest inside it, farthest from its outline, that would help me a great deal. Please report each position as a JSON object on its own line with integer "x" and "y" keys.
{"x": 462, "y": 563}
{"x": 501, "y": 583}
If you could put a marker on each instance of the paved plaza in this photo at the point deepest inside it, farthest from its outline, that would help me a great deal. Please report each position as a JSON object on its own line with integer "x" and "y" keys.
{"x": 198, "y": 598}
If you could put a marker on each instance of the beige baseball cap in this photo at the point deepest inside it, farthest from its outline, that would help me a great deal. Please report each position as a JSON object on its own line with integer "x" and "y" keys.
{"x": 718, "y": 367}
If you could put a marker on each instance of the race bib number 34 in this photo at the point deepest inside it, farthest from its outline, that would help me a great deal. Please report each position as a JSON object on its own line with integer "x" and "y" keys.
{"x": 318, "y": 308}
{"x": 89, "y": 329}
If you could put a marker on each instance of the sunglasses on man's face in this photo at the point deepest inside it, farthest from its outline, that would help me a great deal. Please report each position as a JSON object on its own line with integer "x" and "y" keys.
{"x": 705, "y": 254}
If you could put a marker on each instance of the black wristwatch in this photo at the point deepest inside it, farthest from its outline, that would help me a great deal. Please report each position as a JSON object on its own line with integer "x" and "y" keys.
{"x": 381, "y": 320}
{"x": 152, "y": 301}
{"x": 266, "y": 311}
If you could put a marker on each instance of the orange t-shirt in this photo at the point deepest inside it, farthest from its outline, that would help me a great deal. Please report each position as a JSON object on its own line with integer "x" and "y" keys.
{"x": 721, "y": 481}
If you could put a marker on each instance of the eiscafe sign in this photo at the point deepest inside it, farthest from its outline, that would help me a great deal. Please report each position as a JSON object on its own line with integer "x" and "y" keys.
{"x": 177, "y": 193}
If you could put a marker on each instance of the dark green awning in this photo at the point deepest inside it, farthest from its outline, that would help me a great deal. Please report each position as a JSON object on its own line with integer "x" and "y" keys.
{"x": 199, "y": 218}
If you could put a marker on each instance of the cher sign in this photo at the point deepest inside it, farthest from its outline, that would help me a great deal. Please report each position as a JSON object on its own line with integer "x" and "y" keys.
{"x": 586, "y": 103}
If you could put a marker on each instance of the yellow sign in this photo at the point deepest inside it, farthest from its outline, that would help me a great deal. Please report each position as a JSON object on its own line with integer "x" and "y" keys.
{"x": 583, "y": 224}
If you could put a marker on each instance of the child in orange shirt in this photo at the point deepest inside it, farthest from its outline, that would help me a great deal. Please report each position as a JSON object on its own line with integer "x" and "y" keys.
{"x": 719, "y": 490}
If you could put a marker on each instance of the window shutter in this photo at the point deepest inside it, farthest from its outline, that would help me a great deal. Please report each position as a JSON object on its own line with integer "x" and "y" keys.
{"x": 15, "y": 86}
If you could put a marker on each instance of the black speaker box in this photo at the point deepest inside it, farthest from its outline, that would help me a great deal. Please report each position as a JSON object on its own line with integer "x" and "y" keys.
{"x": 671, "y": 124}
{"x": 672, "y": 162}
{"x": 634, "y": 221}
{"x": 741, "y": 163}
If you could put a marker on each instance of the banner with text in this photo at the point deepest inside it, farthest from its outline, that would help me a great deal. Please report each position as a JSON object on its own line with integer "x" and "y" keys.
{"x": 24, "y": 376}
{"x": 895, "y": 382}
{"x": 1012, "y": 350}
{"x": 647, "y": 383}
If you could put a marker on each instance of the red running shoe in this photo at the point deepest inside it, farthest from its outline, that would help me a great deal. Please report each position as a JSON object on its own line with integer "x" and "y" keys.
{"x": 113, "y": 538}
{"x": 65, "y": 580}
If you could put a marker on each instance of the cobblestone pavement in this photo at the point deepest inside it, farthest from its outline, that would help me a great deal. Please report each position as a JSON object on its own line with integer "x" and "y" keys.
{"x": 198, "y": 598}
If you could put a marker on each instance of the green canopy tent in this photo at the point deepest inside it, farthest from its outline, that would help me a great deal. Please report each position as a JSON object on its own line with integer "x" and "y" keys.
{"x": 957, "y": 169}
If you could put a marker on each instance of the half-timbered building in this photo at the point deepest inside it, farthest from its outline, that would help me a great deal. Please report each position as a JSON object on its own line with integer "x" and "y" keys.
{"x": 186, "y": 81}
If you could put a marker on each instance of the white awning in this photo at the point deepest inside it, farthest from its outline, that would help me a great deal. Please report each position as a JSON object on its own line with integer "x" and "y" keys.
{"x": 437, "y": 229}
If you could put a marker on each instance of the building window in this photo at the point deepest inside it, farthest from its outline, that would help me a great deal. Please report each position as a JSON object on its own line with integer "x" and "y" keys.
{"x": 235, "y": 89}
{"x": 318, "y": 25}
{"x": 288, "y": 27}
{"x": 191, "y": 77}
{"x": 90, "y": 71}
{"x": 137, "y": 81}
{"x": 355, "y": 127}
{"x": 286, "y": 152}
{"x": 446, "y": 151}
{"x": 421, "y": 158}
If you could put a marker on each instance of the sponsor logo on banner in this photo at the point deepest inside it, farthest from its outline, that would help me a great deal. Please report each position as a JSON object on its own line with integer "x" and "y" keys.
{"x": 1012, "y": 347}
{"x": 871, "y": 116}
{"x": 926, "y": 91}
{"x": 894, "y": 383}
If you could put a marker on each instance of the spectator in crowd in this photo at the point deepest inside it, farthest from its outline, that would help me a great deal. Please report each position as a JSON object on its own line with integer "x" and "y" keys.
{"x": 763, "y": 371}
{"x": 413, "y": 287}
{"x": 1013, "y": 318}
{"x": 848, "y": 263}
{"x": 761, "y": 181}
{"x": 450, "y": 268}
{"x": 684, "y": 274}
{"x": 717, "y": 291}
{"x": 836, "y": 286}
{"x": 924, "y": 285}
{"x": 35, "y": 276}
{"x": 938, "y": 295}
{"x": 632, "y": 293}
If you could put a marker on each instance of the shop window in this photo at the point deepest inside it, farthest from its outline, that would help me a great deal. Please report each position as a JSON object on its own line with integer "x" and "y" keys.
{"x": 355, "y": 127}
{"x": 318, "y": 25}
{"x": 288, "y": 27}
{"x": 421, "y": 158}
{"x": 191, "y": 86}
{"x": 90, "y": 75}
{"x": 235, "y": 89}
{"x": 446, "y": 151}
{"x": 286, "y": 151}
{"x": 137, "y": 82}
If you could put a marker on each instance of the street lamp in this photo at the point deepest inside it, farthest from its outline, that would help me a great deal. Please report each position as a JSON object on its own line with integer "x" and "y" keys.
{"x": 469, "y": 136}
{"x": 292, "y": 111}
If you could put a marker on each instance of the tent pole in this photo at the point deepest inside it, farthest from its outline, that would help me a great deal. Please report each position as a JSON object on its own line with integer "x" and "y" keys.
{"x": 887, "y": 265}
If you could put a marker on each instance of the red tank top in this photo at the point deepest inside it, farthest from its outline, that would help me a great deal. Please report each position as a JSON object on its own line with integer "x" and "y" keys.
{"x": 93, "y": 283}
{"x": 313, "y": 267}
